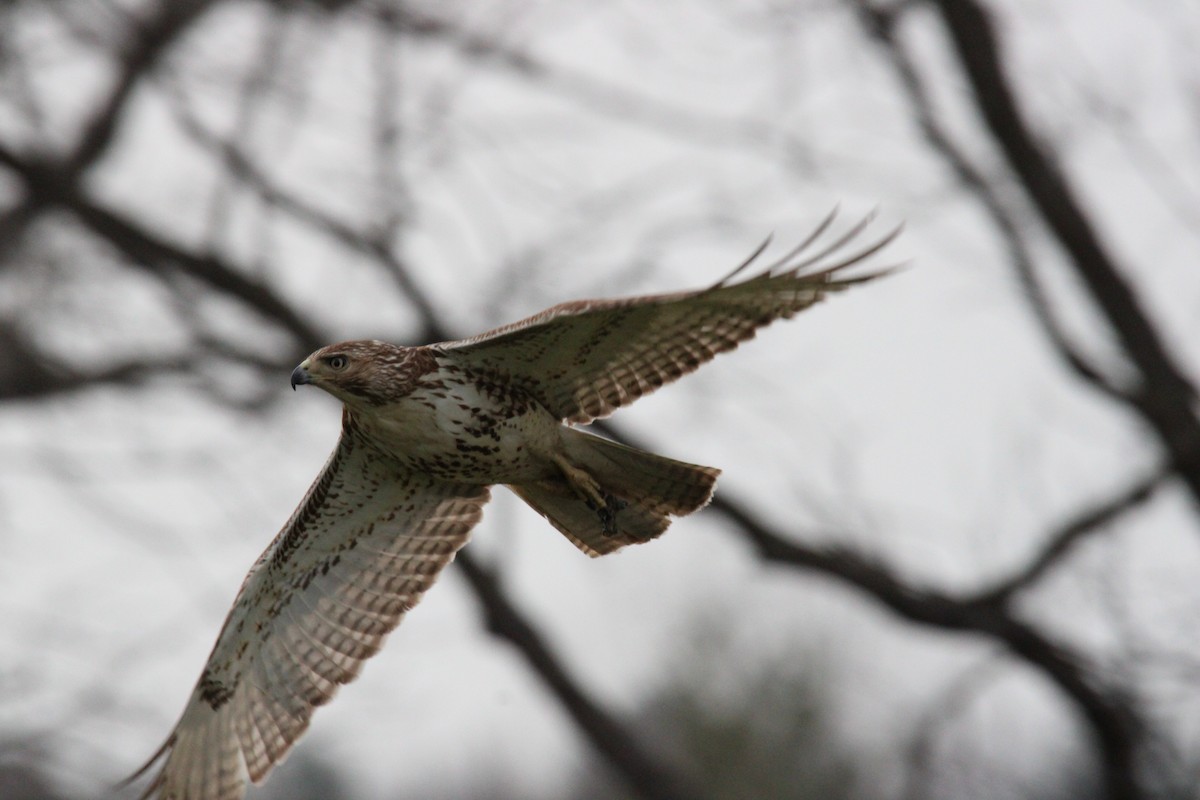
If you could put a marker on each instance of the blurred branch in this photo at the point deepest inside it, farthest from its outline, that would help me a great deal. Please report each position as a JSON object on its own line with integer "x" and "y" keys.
{"x": 628, "y": 105}
{"x": 880, "y": 23}
{"x": 377, "y": 248}
{"x": 617, "y": 742}
{"x": 395, "y": 204}
{"x": 1072, "y": 532}
{"x": 252, "y": 97}
{"x": 29, "y": 372}
{"x": 160, "y": 257}
{"x": 55, "y": 182}
{"x": 951, "y": 702}
{"x": 151, "y": 39}
{"x": 49, "y": 178}
{"x": 1110, "y": 719}
{"x": 26, "y": 372}
{"x": 51, "y": 186}
{"x": 1164, "y": 396}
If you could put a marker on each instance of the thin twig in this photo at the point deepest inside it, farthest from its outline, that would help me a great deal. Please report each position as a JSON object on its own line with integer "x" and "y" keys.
{"x": 1163, "y": 395}
{"x": 646, "y": 774}
{"x": 1074, "y": 530}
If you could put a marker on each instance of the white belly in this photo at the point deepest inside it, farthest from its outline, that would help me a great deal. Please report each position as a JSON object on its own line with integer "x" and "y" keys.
{"x": 456, "y": 432}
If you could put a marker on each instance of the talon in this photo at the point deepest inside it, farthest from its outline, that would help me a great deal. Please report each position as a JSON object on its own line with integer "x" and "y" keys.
{"x": 603, "y": 503}
{"x": 614, "y": 503}
{"x": 608, "y": 514}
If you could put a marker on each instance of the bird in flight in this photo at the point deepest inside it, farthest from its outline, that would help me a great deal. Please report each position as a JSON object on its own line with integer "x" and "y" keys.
{"x": 426, "y": 431}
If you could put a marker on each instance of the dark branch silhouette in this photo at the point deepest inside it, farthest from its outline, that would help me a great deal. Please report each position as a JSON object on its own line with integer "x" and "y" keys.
{"x": 151, "y": 38}
{"x": 1082, "y": 524}
{"x": 645, "y": 774}
{"x": 1162, "y": 395}
{"x": 881, "y": 26}
{"x": 1110, "y": 719}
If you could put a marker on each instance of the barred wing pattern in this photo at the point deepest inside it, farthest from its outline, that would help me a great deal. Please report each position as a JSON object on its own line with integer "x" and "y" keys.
{"x": 583, "y": 360}
{"x": 365, "y": 544}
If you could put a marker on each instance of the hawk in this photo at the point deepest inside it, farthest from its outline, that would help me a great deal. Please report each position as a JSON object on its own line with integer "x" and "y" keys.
{"x": 426, "y": 431}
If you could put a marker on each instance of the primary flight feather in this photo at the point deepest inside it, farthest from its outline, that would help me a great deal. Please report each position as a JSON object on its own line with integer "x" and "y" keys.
{"x": 426, "y": 431}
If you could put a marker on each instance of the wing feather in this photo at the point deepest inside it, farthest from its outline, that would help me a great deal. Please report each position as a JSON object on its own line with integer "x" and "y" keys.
{"x": 585, "y": 359}
{"x": 363, "y": 547}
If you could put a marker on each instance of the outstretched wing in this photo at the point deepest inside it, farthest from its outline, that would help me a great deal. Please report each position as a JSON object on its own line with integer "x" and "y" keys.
{"x": 362, "y": 548}
{"x": 585, "y": 359}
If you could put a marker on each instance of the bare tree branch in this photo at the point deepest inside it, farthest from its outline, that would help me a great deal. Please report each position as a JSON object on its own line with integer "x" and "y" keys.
{"x": 1071, "y": 532}
{"x": 151, "y": 40}
{"x": 951, "y": 702}
{"x": 624, "y": 103}
{"x": 1110, "y": 719}
{"x": 880, "y": 23}
{"x": 158, "y": 257}
{"x": 243, "y": 168}
{"x": 27, "y": 373}
{"x": 618, "y": 743}
{"x": 1164, "y": 396}
{"x": 252, "y": 96}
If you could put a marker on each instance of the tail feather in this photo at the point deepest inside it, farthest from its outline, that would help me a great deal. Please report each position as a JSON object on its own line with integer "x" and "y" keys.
{"x": 652, "y": 489}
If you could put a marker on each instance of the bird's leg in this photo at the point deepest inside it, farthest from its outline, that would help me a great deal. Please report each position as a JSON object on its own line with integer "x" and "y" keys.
{"x": 605, "y": 504}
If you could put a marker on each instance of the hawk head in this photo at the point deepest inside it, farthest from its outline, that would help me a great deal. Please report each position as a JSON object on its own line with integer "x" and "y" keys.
{"x": 365, "y": 372}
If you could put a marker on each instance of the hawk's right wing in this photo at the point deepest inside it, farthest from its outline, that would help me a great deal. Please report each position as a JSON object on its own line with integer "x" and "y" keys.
{"x": 585, "y": 359}
{"x": 365, "y": 544}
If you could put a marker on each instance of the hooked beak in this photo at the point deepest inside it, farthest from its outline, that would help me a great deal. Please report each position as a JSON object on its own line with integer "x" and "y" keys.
{"x": 300, "y": 376}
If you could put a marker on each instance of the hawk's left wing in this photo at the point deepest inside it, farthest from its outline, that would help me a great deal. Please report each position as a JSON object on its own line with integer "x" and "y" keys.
{"x": 362, "y": 548}
{"x": 585, "y": 359}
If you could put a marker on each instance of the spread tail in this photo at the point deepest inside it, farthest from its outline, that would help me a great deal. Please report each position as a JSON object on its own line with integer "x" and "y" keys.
{"x": 611, "y": 495}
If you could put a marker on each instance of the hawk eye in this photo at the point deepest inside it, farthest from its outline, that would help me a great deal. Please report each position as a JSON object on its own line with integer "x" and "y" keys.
{"x": 336, "y": 362}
